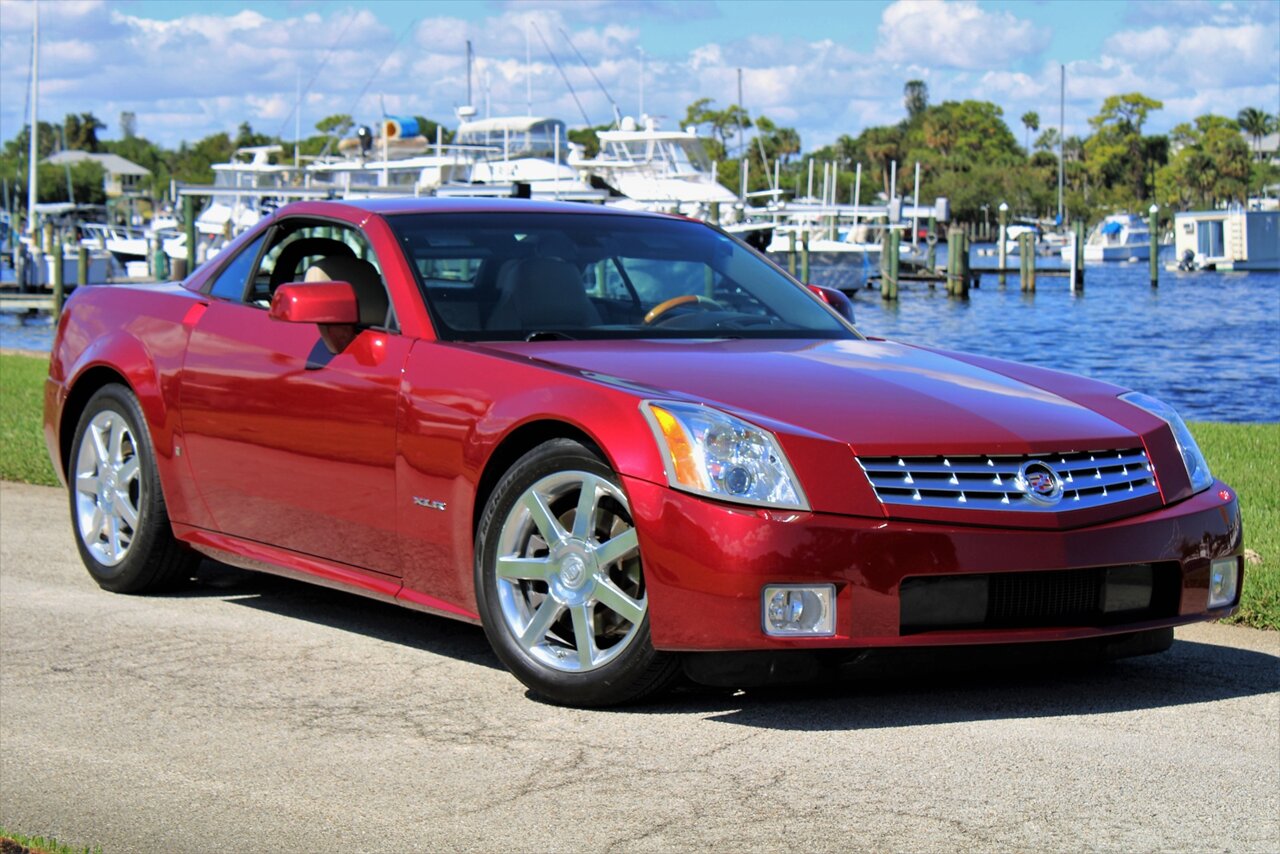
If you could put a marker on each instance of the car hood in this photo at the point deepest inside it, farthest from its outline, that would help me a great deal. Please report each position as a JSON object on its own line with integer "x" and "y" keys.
{"x": 879, "y": 397}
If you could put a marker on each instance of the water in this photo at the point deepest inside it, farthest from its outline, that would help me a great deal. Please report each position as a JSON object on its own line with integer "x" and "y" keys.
{"x": 1208, "y": 343}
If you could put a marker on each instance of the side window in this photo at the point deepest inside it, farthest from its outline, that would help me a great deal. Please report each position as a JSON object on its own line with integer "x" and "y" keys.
{"x": 234, "y": 278}
{"x": 310, "y": 250}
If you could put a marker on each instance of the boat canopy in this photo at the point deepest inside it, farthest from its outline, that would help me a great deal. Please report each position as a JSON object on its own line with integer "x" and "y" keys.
{"x": 516, "y": 136}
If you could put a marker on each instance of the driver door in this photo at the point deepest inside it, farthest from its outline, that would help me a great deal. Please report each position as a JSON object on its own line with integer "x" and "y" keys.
{"x": 290, "y": 444}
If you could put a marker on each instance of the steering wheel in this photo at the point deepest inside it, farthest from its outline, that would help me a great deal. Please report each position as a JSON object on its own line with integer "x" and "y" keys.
{"x": 686, "y": 299}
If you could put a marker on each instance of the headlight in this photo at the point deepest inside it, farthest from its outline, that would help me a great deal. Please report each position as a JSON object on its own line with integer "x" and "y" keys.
{"x": 712, "y": 453}
{"x": 1197, "y": 467}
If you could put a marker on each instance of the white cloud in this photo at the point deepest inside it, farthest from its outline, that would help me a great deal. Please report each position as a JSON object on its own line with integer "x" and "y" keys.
{"x": 957, "y": 34}
{"x": 197, "y": 74}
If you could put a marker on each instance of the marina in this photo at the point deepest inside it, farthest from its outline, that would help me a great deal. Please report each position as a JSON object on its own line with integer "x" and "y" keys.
{"x": 1208, "y": 342}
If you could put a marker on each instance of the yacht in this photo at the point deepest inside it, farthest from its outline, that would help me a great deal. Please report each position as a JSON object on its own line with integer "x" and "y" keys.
{"x": 411, "y": 176}
{"x": 533, "y": 151}
{"x": 1119, "y": 237}
{"x": 658, "y": 170}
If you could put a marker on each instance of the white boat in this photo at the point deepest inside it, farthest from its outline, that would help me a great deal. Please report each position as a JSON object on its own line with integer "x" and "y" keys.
{"x": 658, "y": 170}
{"x": 125, "y": 244}
{"x": 246, "y": 181}
{"x": 1230, "y": 239}
{"x": 532, "y": 151}
{"x": 1119, "y": 237}
{"x": 412, "y": 176}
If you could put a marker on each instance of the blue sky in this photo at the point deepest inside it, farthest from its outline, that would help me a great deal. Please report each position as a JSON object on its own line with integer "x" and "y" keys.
{"x": 191, "y": 68}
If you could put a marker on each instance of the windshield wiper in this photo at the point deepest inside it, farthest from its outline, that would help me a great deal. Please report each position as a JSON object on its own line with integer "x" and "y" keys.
{"x": 548, "y": 335}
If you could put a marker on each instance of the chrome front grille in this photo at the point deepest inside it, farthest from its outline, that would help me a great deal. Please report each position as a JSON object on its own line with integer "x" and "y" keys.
{"x": 1088, "y": 479}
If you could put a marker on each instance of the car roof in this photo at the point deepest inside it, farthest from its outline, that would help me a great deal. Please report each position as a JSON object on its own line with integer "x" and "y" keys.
{"x": 421, "y": 205}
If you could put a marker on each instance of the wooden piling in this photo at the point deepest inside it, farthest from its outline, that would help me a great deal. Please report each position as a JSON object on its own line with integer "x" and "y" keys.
{"x": 1080, "y": 238}
{"x": 804, "y": 258}
{"x": 46, "y": 244}
{"x": 1153, "y": 225}
{"x": 889, "y": 264}
{"x": 58, "y": 290}
{"x": 931, "y": 256}
{"x": 82, "y": 265}
{"x": 189, "y": 222}
{"x": 791, "y": 254}
{"x": 1002, "y": 247}
{"x": 951, "y": 257}
{"x": 1023, "y": 276}
{"x": 715, "y": 213}
{"x": 962, "y": 284}
{"x": 1031, "y": 262}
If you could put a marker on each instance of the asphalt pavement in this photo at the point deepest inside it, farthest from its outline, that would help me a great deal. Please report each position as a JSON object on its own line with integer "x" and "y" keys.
{"x": 253, "y": 713}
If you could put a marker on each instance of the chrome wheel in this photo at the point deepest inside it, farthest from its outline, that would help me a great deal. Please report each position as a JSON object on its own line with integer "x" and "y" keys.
{"x": 108, "y": 487}
{"x": 569, "y": 582}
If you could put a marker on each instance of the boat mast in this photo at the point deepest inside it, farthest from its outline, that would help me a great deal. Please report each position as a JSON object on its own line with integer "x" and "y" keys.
{"x": 469, "y": 102}
{"x": 35, "y": 124}
{"x": 1062, "y": 122}
{"x": 297, "y": 115}
{"x": 742, "y": 149}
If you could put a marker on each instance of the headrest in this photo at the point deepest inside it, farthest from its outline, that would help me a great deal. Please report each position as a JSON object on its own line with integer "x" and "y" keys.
{"x": 371, "y": 296}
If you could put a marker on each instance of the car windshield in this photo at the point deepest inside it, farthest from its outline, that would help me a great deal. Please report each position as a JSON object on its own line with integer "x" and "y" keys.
{"x": 527, "y": 276}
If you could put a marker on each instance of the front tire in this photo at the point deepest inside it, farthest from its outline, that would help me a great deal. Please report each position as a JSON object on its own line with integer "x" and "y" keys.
{"x": 560, "y": 583}
{"x": 117, "y": 508}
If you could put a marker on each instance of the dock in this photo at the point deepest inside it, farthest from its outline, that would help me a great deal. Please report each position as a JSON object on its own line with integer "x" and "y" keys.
{"x": 17, "y": 303}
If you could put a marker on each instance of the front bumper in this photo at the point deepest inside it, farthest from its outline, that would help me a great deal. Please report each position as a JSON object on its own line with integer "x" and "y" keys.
{"x": 706, "y": 564}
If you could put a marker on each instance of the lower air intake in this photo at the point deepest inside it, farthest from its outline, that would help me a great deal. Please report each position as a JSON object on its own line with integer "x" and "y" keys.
{"x": 1097, "y": 596}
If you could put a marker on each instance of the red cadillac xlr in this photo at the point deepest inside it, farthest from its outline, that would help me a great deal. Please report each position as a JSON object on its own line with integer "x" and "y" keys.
{"x": 626, "y": 444}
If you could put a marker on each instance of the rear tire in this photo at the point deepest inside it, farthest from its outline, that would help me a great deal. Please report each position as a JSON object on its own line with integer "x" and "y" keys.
{"x": 118, "y": 512}
{"x": 560, "y": 584}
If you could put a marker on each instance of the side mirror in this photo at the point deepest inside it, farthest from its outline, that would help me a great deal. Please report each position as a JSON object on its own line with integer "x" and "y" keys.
{"x": 836, "y": 299}
{"x": 330, "y": 305}
{"x": 315, "y": 302}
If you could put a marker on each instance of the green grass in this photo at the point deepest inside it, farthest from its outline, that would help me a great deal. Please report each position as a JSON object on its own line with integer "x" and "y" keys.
{"x": 1243, "y": 455}
{"x": 19, "y": 844}
{"x": 1247, "y": 456}
{"x": 22, "y": 451}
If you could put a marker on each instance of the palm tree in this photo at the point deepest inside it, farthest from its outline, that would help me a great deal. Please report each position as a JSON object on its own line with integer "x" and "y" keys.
{"x": 1032, "y": 120}
{"x": 1257, "y": 123}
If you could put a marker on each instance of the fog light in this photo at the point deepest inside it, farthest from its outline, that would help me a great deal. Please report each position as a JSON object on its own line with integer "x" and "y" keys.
{"x": 1224, "y": 581}
{"x": 795, "y": 610}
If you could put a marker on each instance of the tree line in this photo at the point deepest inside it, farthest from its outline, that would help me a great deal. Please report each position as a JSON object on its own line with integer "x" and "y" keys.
{"x": 966, "y": 151}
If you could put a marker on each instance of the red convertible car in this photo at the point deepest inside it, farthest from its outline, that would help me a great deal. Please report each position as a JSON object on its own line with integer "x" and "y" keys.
{"x": 626, "y": 444}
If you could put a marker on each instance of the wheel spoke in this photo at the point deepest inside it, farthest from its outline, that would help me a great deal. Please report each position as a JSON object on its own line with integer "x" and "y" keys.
{"x": 99, "y": 446}
{"x": 608, "y": 595}
{"x": 616, "y": 549}
{"x": 113, "y": 537}
{"x": 117, "y": 440}
{"x": 126, "y": 510}
{"x": 546, "y": 614}
{"x": 87, "y": 483}
{"x": 97, "y": 523}
{"x": 584, "y": 517}
{"x": 584, "y": 635}
{"x": 525, "y": 568}
{"x": 128, "y": 471}
{"x": 552, "y": 531}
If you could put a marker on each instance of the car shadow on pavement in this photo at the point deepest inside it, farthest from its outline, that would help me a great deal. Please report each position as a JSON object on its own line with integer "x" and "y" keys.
{"x": 964, "y": 685}
{"x": 349, "y": 612}
{"x": 891, "y": 689}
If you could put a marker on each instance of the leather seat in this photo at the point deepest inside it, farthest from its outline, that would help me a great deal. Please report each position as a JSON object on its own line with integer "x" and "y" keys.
{"x": 286, "y": 268}
{"x": 371, "y": 294}
{"x": 541, "y": 293}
